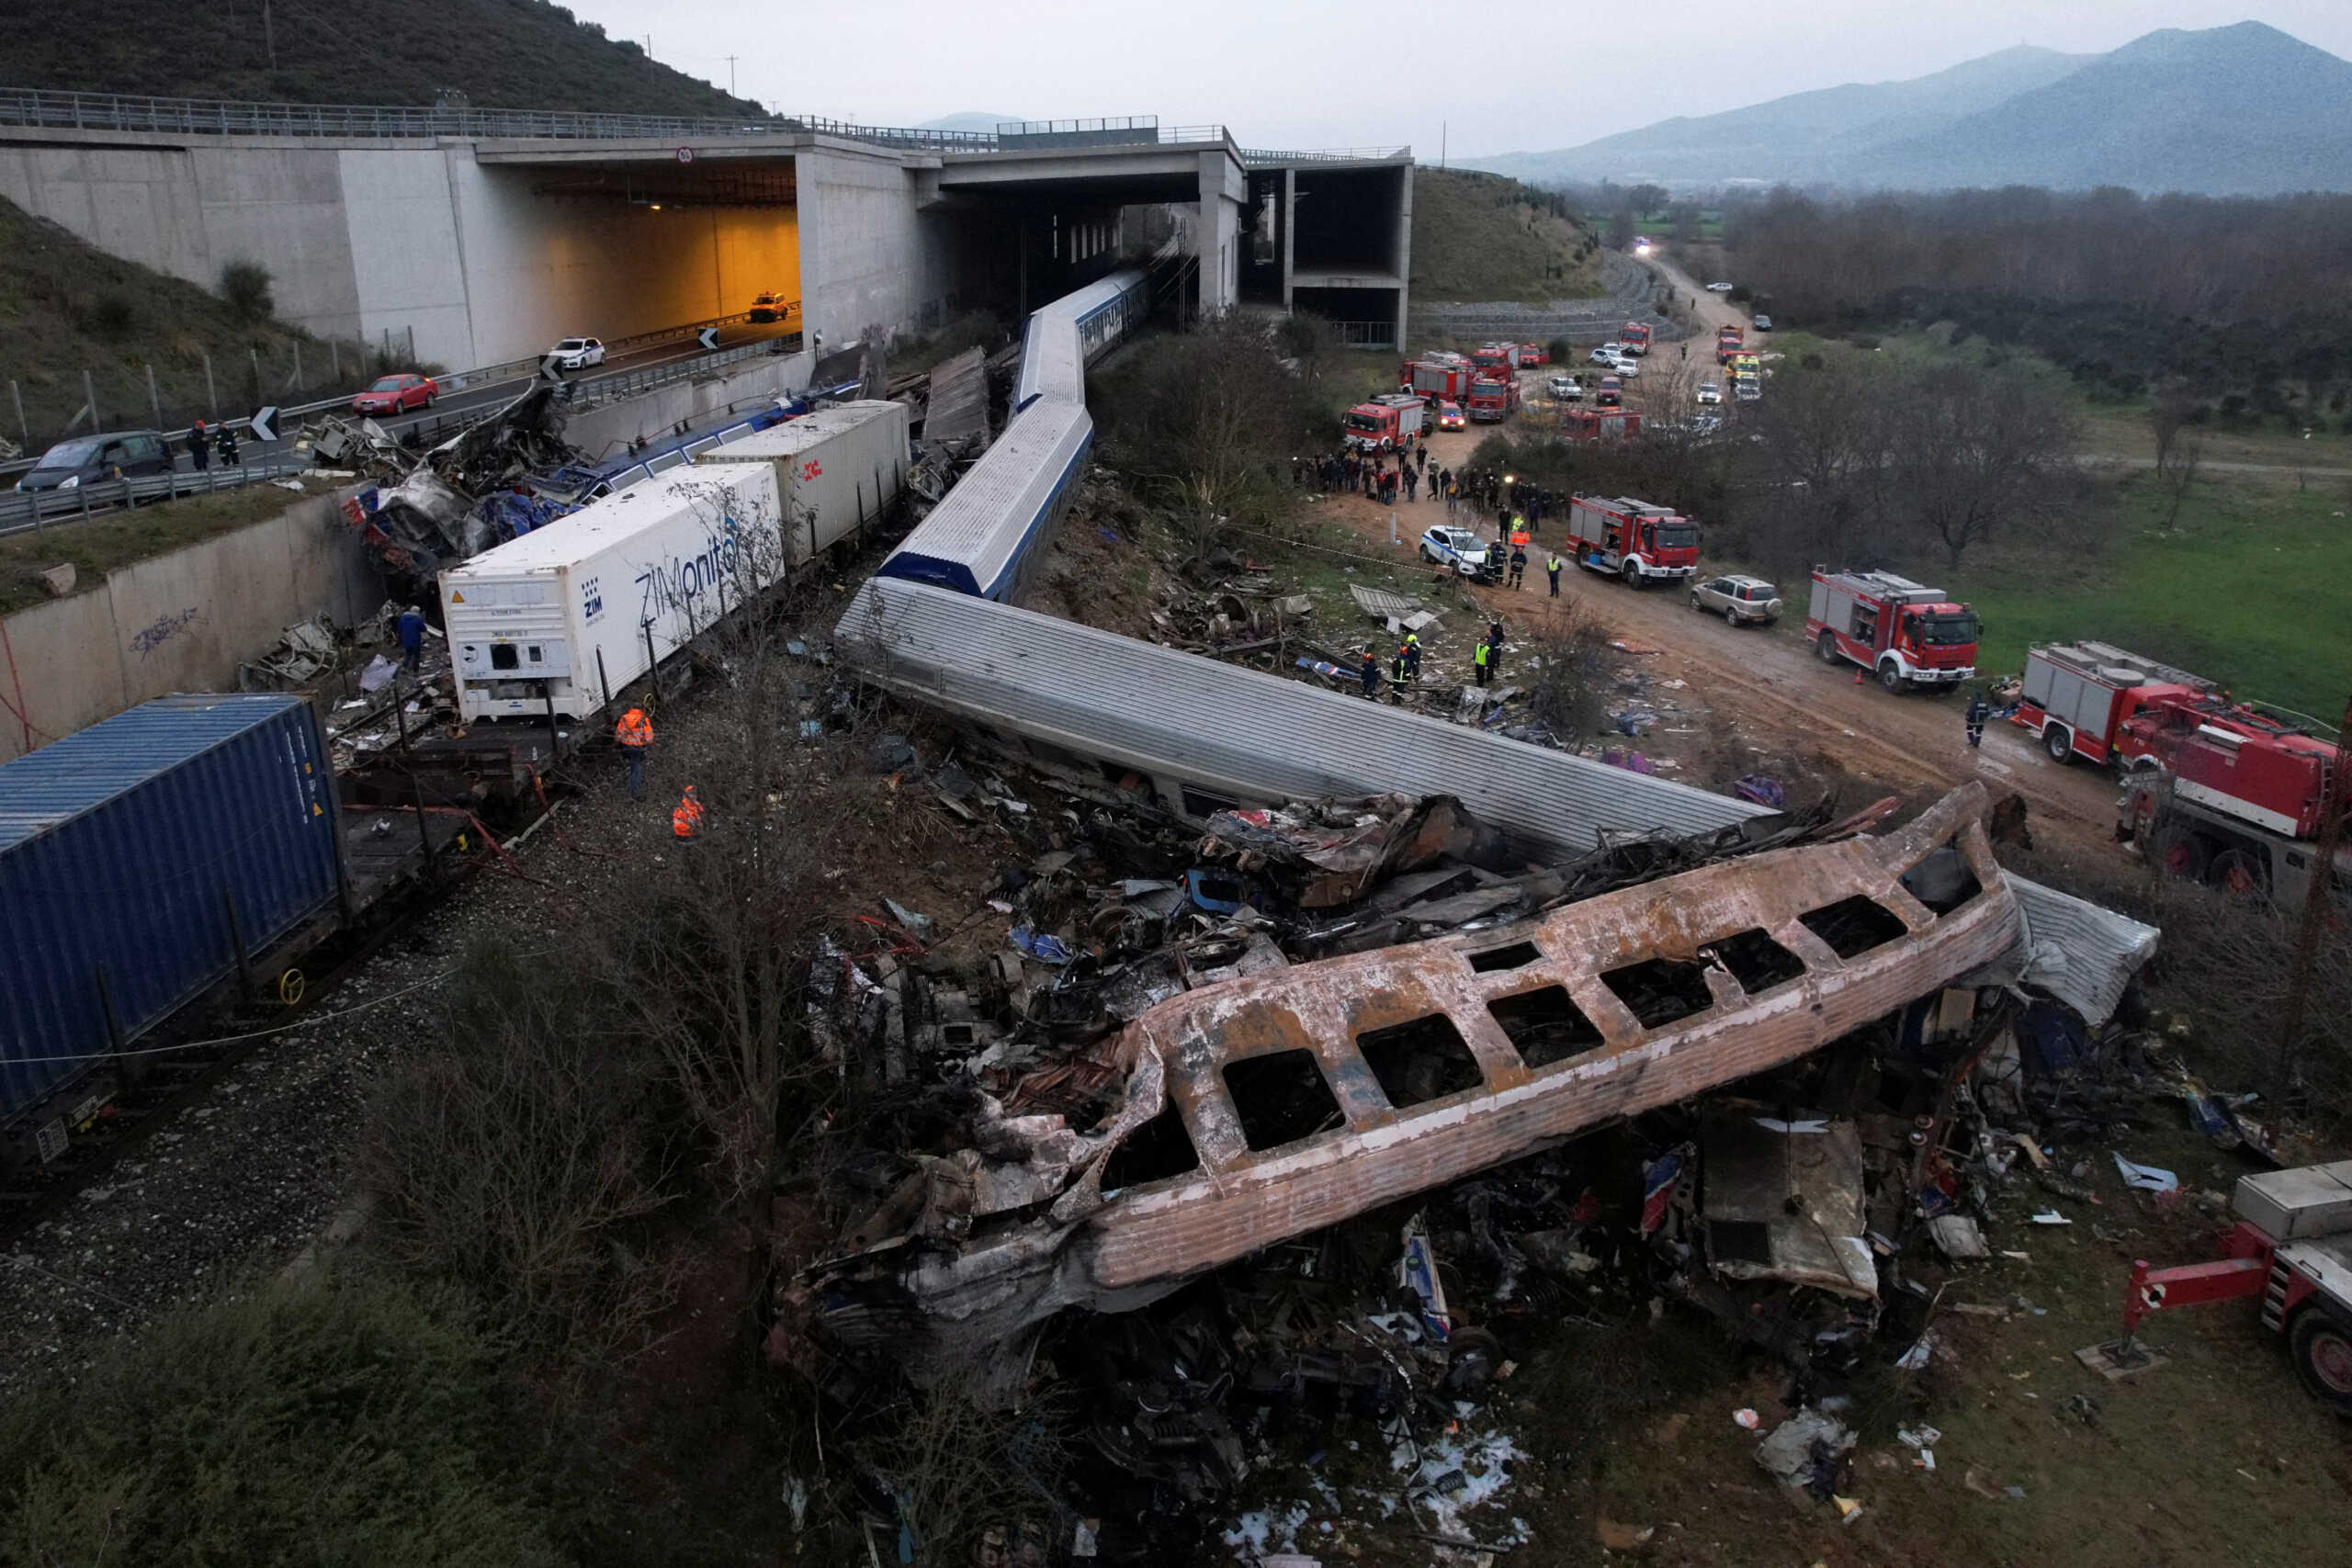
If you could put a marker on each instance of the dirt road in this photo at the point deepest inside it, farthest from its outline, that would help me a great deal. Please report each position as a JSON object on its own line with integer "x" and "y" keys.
{"x": 1767, "y": 688}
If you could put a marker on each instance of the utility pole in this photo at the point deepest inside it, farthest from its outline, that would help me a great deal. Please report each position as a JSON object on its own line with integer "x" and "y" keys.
{"x": 1442, "y": 127}
{"x": 2317, "y": 901}
{"x": 731, "y": 74}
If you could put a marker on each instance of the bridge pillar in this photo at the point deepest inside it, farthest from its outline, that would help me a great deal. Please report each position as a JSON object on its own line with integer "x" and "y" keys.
{"x": 1216, "y": 240}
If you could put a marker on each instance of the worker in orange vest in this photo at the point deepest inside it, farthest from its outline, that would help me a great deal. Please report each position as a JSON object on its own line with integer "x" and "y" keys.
{"x": 635, "y": 732}
{"x": 686, "y": 822}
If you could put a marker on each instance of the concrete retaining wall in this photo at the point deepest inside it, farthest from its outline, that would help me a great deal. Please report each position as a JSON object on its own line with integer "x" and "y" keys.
{"x": 601, "y": 432}
{"x": 181, "y": 622}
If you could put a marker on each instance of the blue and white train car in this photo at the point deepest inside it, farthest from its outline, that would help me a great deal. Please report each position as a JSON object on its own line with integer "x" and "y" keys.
{"x": 979, "y": 539}
{"x": 1074, "y": 331}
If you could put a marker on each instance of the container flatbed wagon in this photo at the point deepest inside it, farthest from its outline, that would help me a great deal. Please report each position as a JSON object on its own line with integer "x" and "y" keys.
{"x": 559, "y": 620}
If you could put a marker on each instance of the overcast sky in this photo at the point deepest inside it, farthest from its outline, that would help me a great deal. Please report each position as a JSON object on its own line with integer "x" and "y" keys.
{"x": 1492, "y": 75}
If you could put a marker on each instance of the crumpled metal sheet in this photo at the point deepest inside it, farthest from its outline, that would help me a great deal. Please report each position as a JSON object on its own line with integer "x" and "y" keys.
{"x": 2083, "y": 954}
{"x": 1321, "y": 856}
{"x": 1798, "y": 1192}
{"x": 1118, "y": 1249}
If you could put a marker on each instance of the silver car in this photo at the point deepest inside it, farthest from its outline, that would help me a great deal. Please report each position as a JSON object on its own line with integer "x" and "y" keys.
{"x": 1741, "y": 601}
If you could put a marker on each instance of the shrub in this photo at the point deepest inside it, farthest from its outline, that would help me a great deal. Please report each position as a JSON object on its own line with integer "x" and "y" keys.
{"x": 112, "y": 314}
{"x": 246, "y": 285}
{"x": 328, "y": 1421}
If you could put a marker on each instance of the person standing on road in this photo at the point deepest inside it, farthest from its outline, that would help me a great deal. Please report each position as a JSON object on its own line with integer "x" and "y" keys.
{"x": 1552, "y": 570}
{"x": 1412, "y": 485}
{"x": 410, "y": 630}
{"x": 1978, "y": 711}
{"x": 200, "y": 447}
{"x": 1397, "y": 675}
{"x": 1452, "y": 499}
{"x": 635, "y": 733}
{"x": 1518, "y": 566}
{"x": 228, "y": 448}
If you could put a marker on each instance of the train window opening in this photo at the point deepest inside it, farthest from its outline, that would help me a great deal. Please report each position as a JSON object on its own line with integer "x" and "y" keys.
{"x": 1545, "y": 1026}
{"x": 1158, "y": 1149}
{"x": 1853, "y": 926}
{"x": 1756, "y": 960}
{"x": 1281, "y": 1098}
{"x": 1657, "y": 991}
{"x": 1518, "y": 956}
{"x": 1943, "y": 880}
{"x": 1426, "y": 1059}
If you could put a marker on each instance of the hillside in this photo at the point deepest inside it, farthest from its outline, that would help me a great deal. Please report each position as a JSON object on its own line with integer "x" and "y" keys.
{"x": 66, "y": 307}
{"x": 500, "y": 54}
{"x": 2238, "y": 110}
{"x": 1479, "y": 237}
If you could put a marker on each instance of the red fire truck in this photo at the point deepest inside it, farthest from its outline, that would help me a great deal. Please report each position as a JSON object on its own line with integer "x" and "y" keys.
{"x": 1636, "y": 336}
{"x": 1436, "y": 374}
{"x": 1601, "y": 425}
{"x": 1633, "y": 540}
{"x": 1495, "y": 358}
{"x": 1911, "y": 634}
{"x": 2291, "y": 1247}
{"x": 1492, "y": 398}
{"x": 2078, "y": 699}
{"x": 1728, "y": 342}
{"x": 1382, "y": 425}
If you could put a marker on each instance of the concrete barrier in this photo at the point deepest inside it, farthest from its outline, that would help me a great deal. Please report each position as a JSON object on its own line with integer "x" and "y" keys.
{"x": 181, "y": 622}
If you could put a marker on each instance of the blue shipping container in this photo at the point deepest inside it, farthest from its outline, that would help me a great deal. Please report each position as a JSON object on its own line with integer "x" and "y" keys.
{"x": 122, "y": 848}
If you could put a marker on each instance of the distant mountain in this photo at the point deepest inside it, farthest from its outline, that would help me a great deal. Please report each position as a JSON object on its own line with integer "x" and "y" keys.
{"x": 970, "y": 120}
{"x": 1798, "y": 138}
{"x": 2236, "y": 110}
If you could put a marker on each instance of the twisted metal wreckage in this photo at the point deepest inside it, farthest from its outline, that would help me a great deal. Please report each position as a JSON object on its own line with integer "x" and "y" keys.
{"x": 1268, "y": 1105}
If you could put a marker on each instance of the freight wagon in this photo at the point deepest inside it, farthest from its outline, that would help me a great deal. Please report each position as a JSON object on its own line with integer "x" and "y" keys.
{"x": 560, "y": 619}
{"x": 837, "y": 470}
{"x": 142, "y": 861}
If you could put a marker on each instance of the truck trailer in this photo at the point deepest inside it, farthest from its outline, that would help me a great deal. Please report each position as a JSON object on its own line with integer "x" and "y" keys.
{"x": 1635, "y": 540}
{"x": 563, "y": 617}
{"x": 1910, "y": 635}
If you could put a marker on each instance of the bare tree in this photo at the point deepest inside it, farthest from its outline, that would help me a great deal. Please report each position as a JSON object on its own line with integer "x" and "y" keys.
{"x": 2176, "y": 477}
{"x": 1977, "y": 451}
{"x": 1821, "y": 479}
{"x": 2169, "y": 411}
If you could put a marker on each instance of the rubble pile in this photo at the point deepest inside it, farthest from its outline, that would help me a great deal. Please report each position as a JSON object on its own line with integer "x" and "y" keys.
{"x": 1217, "y": 1092}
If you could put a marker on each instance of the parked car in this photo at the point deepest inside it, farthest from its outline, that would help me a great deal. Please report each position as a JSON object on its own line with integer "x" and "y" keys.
{"x": 1610, "y": 393}
{"x": 1709, "y": 392}
{"x": 397, "y": 394}
{"x": 1628, "y": 366}
{"x": 1460, "y": 548}
{"x": 1741, "y": 601}
{"x": 87, "y": 460}
{"x": 1567, "y": 389}
{"x": 1449, "y": 416}
{"x": 771, "y": 307}
{"x": 1607, "y": 354}
{"x": 1763, "y": 324}
{"x": 1719, "y": 289}
{"x": 577, "y": 354}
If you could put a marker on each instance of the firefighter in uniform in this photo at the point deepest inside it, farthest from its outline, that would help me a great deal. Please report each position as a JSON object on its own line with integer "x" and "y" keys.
{"x": 1978, "y": 711}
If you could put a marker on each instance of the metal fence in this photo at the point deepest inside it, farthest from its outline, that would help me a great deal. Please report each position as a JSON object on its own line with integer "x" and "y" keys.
{"x": 206, "y": 116}
{"x": 219, "y": 116}
{"x": 1366, "y": 334}
{"x": 22, "y": 511}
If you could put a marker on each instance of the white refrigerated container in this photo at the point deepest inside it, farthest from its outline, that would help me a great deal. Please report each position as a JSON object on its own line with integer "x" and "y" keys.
{"x": 837, "y": 469}
{"x": 577, "y": 610}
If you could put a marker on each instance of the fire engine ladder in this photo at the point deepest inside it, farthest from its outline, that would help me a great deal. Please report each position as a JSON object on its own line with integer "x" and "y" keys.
{"x": 2273, "y": 1294}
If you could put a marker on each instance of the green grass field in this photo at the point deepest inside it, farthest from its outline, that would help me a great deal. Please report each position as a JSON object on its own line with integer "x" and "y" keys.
{"x": 2253, "y": 588}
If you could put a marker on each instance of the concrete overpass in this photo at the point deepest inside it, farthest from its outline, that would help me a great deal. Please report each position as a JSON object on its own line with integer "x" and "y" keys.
{"x": 490, "y": 234}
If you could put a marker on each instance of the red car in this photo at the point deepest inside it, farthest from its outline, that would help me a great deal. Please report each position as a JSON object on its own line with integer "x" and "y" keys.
{"x": 397, "y": 394}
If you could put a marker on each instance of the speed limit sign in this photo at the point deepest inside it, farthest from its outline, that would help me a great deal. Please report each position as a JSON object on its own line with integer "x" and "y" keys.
{"x": 685, "y": 154}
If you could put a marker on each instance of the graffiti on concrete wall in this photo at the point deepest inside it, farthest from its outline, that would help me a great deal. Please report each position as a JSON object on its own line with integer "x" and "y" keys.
{"x": 164, "y": 628}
